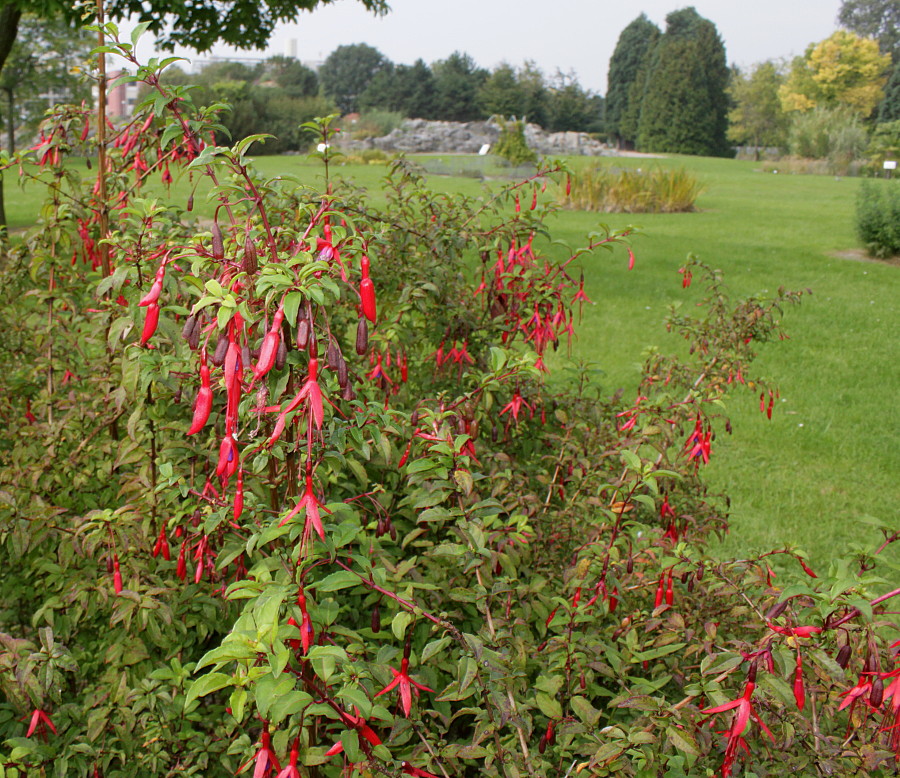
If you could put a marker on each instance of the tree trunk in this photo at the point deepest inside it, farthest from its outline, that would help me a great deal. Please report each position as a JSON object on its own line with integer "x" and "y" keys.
{"x": 10, "y": 121}
{"x": 9, "y": 27}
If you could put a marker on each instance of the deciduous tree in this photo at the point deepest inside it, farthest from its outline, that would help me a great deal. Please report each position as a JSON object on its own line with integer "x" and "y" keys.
{"x": 842, "y": 70}
{"x": 757, "y": 118}
{"x": 347, "y": 72}
{"x": 878, "y": 19}
{"x": 43, "y": 65}
{"x": 295, "y": 78}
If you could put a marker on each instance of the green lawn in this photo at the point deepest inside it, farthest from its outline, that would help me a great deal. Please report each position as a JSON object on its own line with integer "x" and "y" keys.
{"x": 829, "y": 456}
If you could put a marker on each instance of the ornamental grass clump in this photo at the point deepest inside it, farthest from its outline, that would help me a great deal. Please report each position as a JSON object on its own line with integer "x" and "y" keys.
{"x": 607, "y": 189}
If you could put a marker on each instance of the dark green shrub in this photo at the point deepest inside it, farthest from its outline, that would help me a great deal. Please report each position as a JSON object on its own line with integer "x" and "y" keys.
{"x": 878, "y": 218}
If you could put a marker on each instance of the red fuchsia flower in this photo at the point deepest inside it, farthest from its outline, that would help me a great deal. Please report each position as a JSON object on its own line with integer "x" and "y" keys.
{"x": 117, "y": 575}
{"x": 156, "y": 288}
{"x": 892, "y": 690}
{"x": 359, "y": 724}
{"x": 309, "y": 392}
{"x": 806, "y": 568}
{"x": 228, "y": 457}
{"x": 664, "y": 590}
{"x": 686, "y": 277}
{"x": 307, "y": 633}
{"x": 270, "y": 344}
{"x": 203, "y": 403}
{"x": 162, "y": 545}
{"x": 797, "y": 632}
{"x": 406, "y": 685}
{"x": 408, "y": 769}
{"x": 181, "y": 567}
{"x": 699, "y": 441}
{"x": 863, "y": 688}
{"x": 799, "y": 689}
{"x": 238, "y": 507}
{"x": 378, "y": 371}
{"x": 515, "y": 406}
{"x": 481, "y": 287}
{"x": 39, "y": 723}
{"x": 367, "y": 291}
{"x": 580, "y": 295}
{"x": 743, "y": 707}
{"x": 291, "y": 771}
{"x": 312, "y": 506}
{"x": 631, "y": 414}
{"x": 265, "y": 758}
{"x": 327, "y": 251}
{"x": 150, "y": 322}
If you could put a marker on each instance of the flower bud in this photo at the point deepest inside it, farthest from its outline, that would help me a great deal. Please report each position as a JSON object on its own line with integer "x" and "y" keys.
{"x": 303, "y": 329}
{"x": 218, "y": 243}
{"x": 843, "y": 657}
{"x": 218, "y": 357}
{"x": 876, "y": 696}
{"x": 332, "y": 355}
{"x": 362, "y": 336}
{"x": 250, "y": 262}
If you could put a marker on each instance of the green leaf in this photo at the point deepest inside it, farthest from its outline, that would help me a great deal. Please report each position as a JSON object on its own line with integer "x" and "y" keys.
{"x": 466, "y": 672}
{"x": 682, "y": 741}
{"x": 399, "y": 624}
{"x": 434, "y": 647}
{"x": 548, "y": 705}
{"x": 138, "y": 31}
{"x": 632, "y": 461}
{"x": 207, "y": 684}
{"x": 656, "y": 653}
{"x": 288, "y": 704}
{"x": 585, "y": 711}
{"x": 270, "y": 689}
{"x": 350, "y": 741}
{"x": 342, "y": 579}
{"x": 236, "y": 702}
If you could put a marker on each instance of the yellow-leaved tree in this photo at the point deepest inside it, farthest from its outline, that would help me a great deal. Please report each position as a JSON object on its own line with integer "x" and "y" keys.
{"x": 844, "y": 70}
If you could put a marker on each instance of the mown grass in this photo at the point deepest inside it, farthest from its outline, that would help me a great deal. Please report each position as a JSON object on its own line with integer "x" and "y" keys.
{"x": 829, "y": 456}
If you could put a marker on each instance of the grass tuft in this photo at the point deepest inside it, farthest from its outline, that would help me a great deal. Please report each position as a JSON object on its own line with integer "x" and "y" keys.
{"x": 627, "y": 190}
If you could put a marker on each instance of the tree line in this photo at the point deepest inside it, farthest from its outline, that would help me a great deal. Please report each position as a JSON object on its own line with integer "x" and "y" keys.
{"x": 277, "y": 95}
{"x": 358, "y": 77}
{"x": 669, "y": 90}
{"x": 672, "y": 91}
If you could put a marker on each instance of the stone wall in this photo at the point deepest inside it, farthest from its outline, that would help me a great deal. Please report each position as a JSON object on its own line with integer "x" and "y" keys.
{"x": 420, "y": 136}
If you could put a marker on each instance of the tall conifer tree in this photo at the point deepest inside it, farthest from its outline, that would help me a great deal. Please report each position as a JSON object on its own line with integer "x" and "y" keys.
{"x": 685, "y": 105}
{"x": 635, "y": 43}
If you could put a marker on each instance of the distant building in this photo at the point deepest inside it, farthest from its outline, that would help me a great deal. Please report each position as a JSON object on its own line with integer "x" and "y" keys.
{"x": 121, "y": 99}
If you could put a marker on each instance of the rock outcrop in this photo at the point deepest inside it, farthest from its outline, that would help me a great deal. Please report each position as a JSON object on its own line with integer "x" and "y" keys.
{"x": 421, "y": 136}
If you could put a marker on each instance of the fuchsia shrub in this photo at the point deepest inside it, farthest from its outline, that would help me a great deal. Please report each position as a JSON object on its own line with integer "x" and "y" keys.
{"x": 295, "y": 491}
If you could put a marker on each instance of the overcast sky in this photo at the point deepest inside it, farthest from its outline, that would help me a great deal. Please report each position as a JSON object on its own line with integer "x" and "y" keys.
{"x": 569, "y": 35}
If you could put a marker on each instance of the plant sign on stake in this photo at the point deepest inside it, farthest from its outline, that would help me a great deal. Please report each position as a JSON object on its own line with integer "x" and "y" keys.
{"x": 406, "y": 543}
